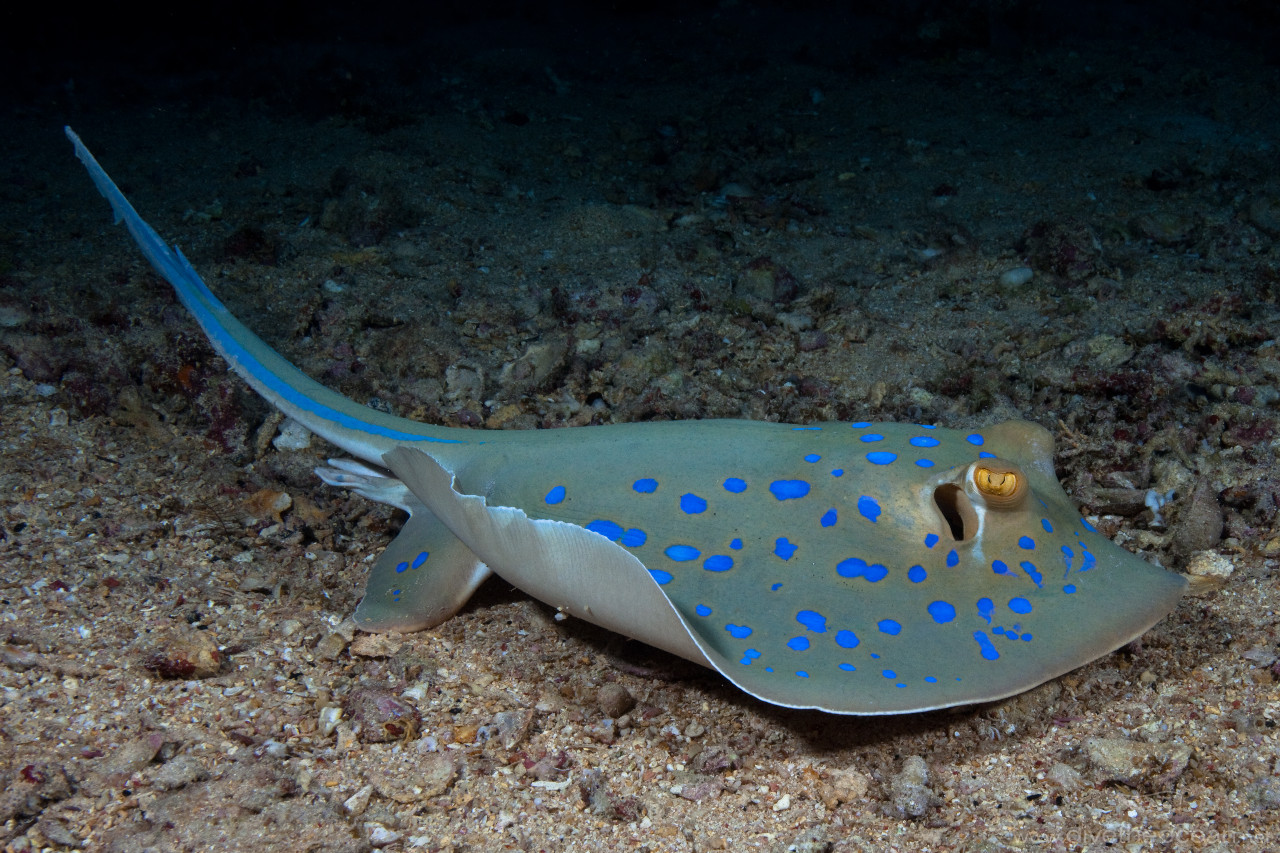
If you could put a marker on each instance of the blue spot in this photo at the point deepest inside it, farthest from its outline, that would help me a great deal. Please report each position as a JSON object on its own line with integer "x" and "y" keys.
{"x": 702, "y": 610}
{"x": 402, "y": 567}
{"x": 868, "y": 508}
{"x": 1048, "y": 528}
{"x": 916, "y": 574}
{"x": 662, "y": 577}
{"x": 828, "y": 518}
{"x": 633, "y": 538}
{"x": 881, "y": 457}
{"x": 931, "y": 679}
{"x": 735, "y": 485}
{"x": 813, "y": 620}
{"x": 802, "y": 673}
{"x": 1019, "y": 605}
{"x": 1067, "y": 556}
{"x": 396, "y": 594}
{"x": 942, "y": 612}
{"x": 718, "y": 563}
{"x": 848, "y": 667}
{"x": 847, "y": 640}
{"x": 807, "y": 429}
{"x": 872, "y": 437}
{"x": 798, "y": 644}
{"x": 1026, "y": 543}
{"x": 985, "y": 455}
{"x": 953, "y": 559}
{"x": 1069, "y": 588}
{"x": 775, "y": 587}
{"x": 890, "y": 627}
{"x": 1026, "y": 638}
{"x": 888, "y": 673}
{"x": 748, "y": 656}
{"x": 923, "y": 441}
{"x": 838, "y": 472}
{"x": 1087, "y": 526}
{"x": 1089, "y": 560}
{"x": 785, "y": 490}
{"x": 930, "y": 540}
{"x": 682, "y": 553}
{"x": 924, "y": 463}
{"x": 975, "y": 439}
{"x": 608, "y": 529}
{"x": 985, "y": 608}
{"x": 736, "y": 544}
{"x": 856, "y": 568}
{"x": 645, "y": 486}
{"x": 738, "y": 632}
{"x": 812, "y": 457}
{"x": 1032, "y": 572}
{"x": 927, "y": 426}
{"x": 768, "y": 669}
{"x": 875, "y": 656}
{"x": 860, "y": 425}
{"x": 784, "y": 549}
{"x": 692, "y": 504}
{"x": 419, "y": 560}
{"x": 556, "y": 495}
{"x": 1000, "y": 567}
{"x": 984, "y": 643}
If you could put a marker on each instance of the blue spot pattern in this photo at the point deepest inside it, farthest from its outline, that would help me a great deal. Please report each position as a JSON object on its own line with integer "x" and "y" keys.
{"x": 784, "y": 549}
{"x": 1032, "y": 572}
{"x": 748, "y": 656}
{"x": 785, "y": 490}
{"x": 853, "y": 567}
{"x": 1026, "y": 543}
{"x": 646, "y": 486}
{"x": 985, "y": 608}
{"x": 847, "y": 640}
{"x": 735, "y": 485}
{"x": 738, "y": 632}
{"x": 890, "y": 627}
{"x": 975, "y": 439}
{"x": 692, "y": 504}
{"x": 930, "y": 540}
{"x": 812, "y": 457}
{"x": 736, "y": 544}
{"x": 942, "y": 612}
{"x": 828, "y": 518}
{"x": 682, "y": 553}
{"x": 718, "y": 563}
{"x": 987, "y": 648}
{"x": 813, "y": 620}
{"x": 662, "y": 577}
{"x": 881, "y": 457}
{"x": 556, "y": 495}
{"x": 872, "y": 437}
{"x": 923, "y": 441}
{"x": 868, "y": 508}
{"x": 702, "y": 610}
{"x": 916, "y": 574}
{"x": 1019, "y": 605}
{"x": 798, "y": 644}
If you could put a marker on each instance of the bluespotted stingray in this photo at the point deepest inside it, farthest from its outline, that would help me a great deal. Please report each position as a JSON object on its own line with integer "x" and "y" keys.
{"x": 865, "y": 568}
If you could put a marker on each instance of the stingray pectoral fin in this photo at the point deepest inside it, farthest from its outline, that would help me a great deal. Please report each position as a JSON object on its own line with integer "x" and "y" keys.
{"x": 569, "y": 567}
{"x": 423, "y": 577}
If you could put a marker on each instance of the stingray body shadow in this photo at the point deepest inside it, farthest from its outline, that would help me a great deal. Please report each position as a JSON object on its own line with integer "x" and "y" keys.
{"x": 852, "y": 568}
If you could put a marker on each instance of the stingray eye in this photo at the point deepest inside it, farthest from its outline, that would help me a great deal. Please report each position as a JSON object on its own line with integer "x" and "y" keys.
{"x": 1001, "y": 485}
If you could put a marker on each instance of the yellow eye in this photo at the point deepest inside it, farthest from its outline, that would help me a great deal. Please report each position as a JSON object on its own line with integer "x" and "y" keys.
{"x": 1001, "y": 485}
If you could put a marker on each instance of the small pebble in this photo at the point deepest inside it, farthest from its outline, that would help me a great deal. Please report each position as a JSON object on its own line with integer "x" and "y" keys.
{"x": 1016, "y": 277}
{"x": 614, "y": 700}
{"x": 909, "y": 793}
{"x": 1147, "y": 767}
{"x": 381, "y": 715}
